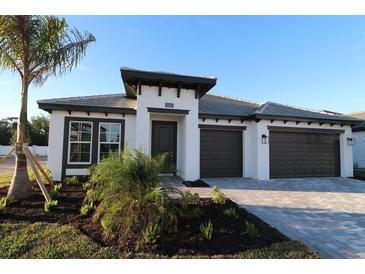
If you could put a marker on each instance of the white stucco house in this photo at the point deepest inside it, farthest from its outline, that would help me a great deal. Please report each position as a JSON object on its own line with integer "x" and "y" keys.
{"x": 204, "y": 135}
{"x": 359, "y": 140}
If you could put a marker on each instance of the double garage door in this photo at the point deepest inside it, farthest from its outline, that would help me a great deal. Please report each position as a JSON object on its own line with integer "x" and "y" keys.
{"x": 304, "y": 154}
{"x": 293, "y": 154}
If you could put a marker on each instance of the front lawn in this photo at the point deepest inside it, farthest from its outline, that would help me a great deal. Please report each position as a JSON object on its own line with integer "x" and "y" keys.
{"x": 44, "y": 240}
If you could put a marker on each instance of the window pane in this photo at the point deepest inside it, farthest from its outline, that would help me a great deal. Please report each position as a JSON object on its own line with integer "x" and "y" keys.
{"x": 104, "y": 127}
{"x": 115, "y": 128}
{"x": 104, "y": 148}
{"x": 75, "y": 157}
{"x": 75, "y": 148}
{"x": 103, "y": 137}
{"x": 114, "y": 137}
{"x": 103, "y": 156}
{"x": 86, "y": 137}
{"x": 85, "y": 148}
{"x": 85, "y": 157}
{"x": 113, "y": 148}
{"x": 86, "y": 127}
{"x": 75, "y": 126}
{"x": 75, "y": 136}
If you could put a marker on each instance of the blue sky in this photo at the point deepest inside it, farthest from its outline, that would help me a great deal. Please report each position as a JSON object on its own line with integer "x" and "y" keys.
{"x": 308, "y": 61}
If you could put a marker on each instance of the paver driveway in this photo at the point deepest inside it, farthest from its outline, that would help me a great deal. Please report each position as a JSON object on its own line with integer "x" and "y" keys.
{"x": 327, "y": 214}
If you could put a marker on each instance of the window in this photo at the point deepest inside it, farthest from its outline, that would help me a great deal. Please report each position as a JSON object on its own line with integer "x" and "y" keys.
{"x": 109, "y": 139}
{"x": 80, "y": 138}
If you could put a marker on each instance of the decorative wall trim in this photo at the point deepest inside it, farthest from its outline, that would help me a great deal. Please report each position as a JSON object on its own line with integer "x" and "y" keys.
{"x": 221, "y": 127}
{"x": 305, "y": 130}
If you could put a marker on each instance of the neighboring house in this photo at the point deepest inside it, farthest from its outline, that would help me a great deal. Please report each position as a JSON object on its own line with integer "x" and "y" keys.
{"x": 204, "y": 135}
{"x": 359, "y": 140}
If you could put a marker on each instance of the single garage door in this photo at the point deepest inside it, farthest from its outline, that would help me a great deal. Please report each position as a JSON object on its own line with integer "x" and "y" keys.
{"x": 304, "y": 154}
{"x": 220, "y": 153}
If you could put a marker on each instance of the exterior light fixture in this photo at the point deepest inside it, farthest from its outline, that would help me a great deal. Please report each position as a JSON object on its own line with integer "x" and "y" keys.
{"x": 264, "y": 139}
{"x": 350, "y": 141}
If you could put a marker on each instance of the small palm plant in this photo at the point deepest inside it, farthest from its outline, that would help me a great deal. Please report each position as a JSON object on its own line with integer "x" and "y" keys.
{"x": 206, "y": 230}
{"x": 218, "y": 197}
{"x": 127, "y": 189}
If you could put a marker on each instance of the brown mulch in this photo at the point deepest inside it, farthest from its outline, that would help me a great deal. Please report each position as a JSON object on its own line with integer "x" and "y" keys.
{"x": 228, "y": 236}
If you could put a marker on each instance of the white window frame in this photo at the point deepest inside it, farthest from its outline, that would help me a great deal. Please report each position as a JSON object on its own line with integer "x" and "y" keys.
{"x": 113, "y": 143}
{"x": 79, "y": 142}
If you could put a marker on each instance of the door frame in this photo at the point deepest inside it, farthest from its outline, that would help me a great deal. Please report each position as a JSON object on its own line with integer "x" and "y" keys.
{"x": 174, "y": 132}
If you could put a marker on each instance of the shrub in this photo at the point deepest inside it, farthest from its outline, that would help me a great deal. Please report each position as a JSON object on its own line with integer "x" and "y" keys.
{"x": 151, "y": 234}
{"x": 189, "y": 198}
{"x": 53, "y": 194}
{"x": 50, "y": 205}
{"x": 57, "y": 187}
{"x": 72, "y": 180}
{"x": 2, "y": 207}
{"x": 6, "y": 201}
{"x": 198, "y": 212}
{"x": 129, "y": 194}
{"x": 250, "y": 229}
{"x": 206, "y": 230}
{"x": 230, "y": 212}
{"x": 87, "y": 209}
{"x": 218, "y": 197}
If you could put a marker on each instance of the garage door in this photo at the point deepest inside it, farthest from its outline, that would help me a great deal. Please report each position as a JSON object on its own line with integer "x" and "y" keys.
{"x": 298, "y": 154}
{"x": 220, "y": 153}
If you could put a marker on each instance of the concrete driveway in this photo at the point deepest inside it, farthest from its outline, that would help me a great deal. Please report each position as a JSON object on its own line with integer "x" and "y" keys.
{"x": 327, "y": 214}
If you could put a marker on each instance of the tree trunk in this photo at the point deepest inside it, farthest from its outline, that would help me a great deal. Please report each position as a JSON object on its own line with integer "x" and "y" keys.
{"x": 21, "y": 187}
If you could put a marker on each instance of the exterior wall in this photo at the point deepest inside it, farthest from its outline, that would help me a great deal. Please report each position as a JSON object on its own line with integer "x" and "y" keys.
{"x": 188, "y": 132}
{"x": 359, "y": 149}
{"x": 56, "y": 134}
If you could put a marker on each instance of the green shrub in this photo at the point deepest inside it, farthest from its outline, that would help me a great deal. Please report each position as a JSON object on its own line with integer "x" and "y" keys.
{"x": 53, "y": 194}
{"x": 198, "y": 212}
{"x": 50, "y": 205}
{"x": 189, "y": 198}
{"x": 250, "y": 229}
{"x": 151, "y": 234}
{"x": 6, "y": 201}
{"x": 57, "y": 187}
{"x": 129, "y": 194}
{"x": 72, "y": 180}
{"x": 87, "y": 209}
{"x": 206, "y": 230}
{"x": 218, "y": 197}
{"x": 2, "y": 208}
{"x": 230, "y": 212}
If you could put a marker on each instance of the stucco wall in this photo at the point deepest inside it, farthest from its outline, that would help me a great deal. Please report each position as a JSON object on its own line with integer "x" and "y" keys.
{"x": 56, "y": 133}
{"x": 188, "y": 133}
{"x": 359, "y": 149}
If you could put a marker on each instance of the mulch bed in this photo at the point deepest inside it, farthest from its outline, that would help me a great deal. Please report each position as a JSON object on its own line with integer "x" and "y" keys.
{"x": 228, "y": 237}
{"x": 197, "y": 183}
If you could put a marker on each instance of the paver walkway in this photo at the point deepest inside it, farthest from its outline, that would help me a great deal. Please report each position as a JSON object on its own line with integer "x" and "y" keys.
{"x": 327, "y": 214}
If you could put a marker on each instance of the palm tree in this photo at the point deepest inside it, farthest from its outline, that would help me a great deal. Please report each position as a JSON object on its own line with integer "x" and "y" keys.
{"x": 36, "y": 47}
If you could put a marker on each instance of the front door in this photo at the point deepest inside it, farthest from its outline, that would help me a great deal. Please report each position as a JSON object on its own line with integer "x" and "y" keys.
{"x": 164, "y": 141}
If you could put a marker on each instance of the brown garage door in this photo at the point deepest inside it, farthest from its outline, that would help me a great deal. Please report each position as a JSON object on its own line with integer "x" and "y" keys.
{"x": 220, "y": 153}
{"x": 298, "y": 154}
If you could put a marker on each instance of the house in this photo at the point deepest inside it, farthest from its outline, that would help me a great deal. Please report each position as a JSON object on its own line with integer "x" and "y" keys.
{"x": 359, "y": 140}
{"x": 204, "y": 135}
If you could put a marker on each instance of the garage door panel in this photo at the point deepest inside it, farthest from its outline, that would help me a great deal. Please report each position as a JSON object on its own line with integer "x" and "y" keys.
{"x": 220, "y": 153}
{"x": 294, "y": 154}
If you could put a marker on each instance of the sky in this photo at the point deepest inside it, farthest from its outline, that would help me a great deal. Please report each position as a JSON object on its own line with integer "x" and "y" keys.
{"x": 315, "y": 62}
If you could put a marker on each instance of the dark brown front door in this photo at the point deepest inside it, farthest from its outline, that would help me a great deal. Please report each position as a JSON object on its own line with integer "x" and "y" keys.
{"x": 220, "y": 153}
{"x": 297, "y": 154}
{"x": 164, "y": 141}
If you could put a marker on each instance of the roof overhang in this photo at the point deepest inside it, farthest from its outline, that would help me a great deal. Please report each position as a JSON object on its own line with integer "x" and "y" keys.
{"x": 52, "y": 106}
{"x": 305, "y": 119}
{"x": 133, "y": 79}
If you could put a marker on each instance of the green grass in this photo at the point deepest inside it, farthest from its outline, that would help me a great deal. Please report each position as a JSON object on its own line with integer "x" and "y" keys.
{"x": 5, "y": 178}
{"x": 41, "y": 240}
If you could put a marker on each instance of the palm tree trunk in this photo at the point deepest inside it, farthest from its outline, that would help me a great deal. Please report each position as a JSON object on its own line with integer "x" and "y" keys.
{"x": 21, "y": 187}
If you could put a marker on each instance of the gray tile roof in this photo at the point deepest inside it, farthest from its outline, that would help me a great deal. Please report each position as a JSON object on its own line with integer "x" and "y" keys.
{"x": 209, "y": 104}
{"x": 215, "y": 104}
{"x": 117, "y": 100}
{"x": 275, "y": 109}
